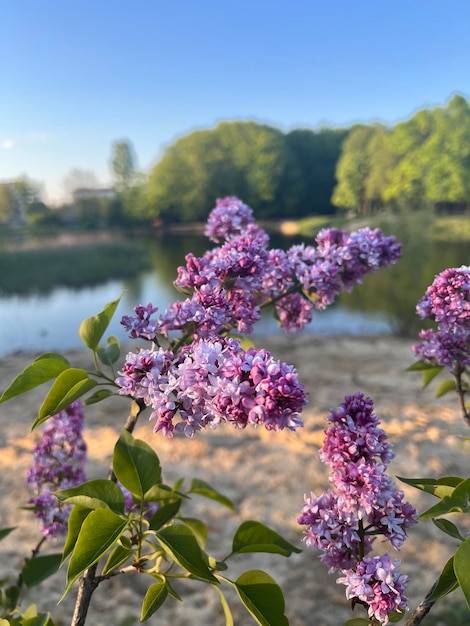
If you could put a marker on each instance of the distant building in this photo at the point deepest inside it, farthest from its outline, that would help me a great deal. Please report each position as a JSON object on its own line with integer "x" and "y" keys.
{"x": 84, "y": 193}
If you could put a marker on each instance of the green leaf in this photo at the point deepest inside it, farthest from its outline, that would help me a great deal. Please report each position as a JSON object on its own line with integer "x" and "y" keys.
{"x": 180, "y": 543}
{"x": 462, "y": 568}
{"x": 439, "y": 487}
{"x": 444, "y": 387}
{"x": 39, "y": 568}
{"x": 135, "y": 464}
{"x": 70, "y": 385}
{"x": 457, "y": 502}
{"x": 448, "y": 528}
{"x": 94, "y": 494}
{"x": 100, "y": 394}
{"x": 100, "y": 531}
{"x": 117, "y": 558}
{"x": 178, "y": 484}
{"x": 153, "y": 600}
{"x": 227, "y": 612}
{"x": 262, "y": 597}
{"x": 198, "y": 527}
{"x": 422, "y": 365}
{"x": 429, "y": 375}
{"x": 253, "y": 536}
{"x": 76, "y": 518}
{"x": 43, "y": 619}
{"x": 204, "y": 489}
{"x": 42, "y": 369}
{"x": 4, "y": 532}
{"x": 164, "y": 514}
{"x": 93, "y": 328}
{"x": 31, "y": 611}
{"x": 110, "y": 354}
{"x": 446, "y": 583}
{"x": 160, "y": 493}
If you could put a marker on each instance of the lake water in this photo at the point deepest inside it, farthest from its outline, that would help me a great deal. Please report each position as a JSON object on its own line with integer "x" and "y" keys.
{"x": 384, "y": 304}
{"x": 50, "y": 323}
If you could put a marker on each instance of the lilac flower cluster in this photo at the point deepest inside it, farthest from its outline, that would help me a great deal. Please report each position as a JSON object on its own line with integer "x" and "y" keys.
{"x": 344, "y": 522}
{"x": 341, "y": 260}
{"x": 213, "y": 381}
{"x": 446, "y": 302}
{"x": 375, "y": 583}
{"x": 229, "y": 284}
{"x": 58, "y": 463}
{"x": 229, "y": 218}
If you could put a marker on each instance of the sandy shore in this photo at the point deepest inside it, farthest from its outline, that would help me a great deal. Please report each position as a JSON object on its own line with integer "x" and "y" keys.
{"x": 265, "y": 474}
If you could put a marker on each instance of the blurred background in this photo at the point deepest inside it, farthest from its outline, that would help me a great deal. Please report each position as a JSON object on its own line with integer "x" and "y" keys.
{"x": 122, "y": 124}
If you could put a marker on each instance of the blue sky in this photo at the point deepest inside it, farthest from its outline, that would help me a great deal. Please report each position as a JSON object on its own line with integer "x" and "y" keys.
{"x": 77, "y": 75}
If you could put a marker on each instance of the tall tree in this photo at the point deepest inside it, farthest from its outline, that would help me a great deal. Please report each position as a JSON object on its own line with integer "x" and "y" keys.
{"x": 310, "y": 178}
{"x": 353, "y": 170}
{"x": 238, "y": 158}
{"x": 123, "y": 164}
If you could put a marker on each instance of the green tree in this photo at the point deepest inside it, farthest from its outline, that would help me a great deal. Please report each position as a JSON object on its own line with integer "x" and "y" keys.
{"x": 123, "y": 164}
{"x": 238, "y": 158}
{"x": 353, "y": 170}
{"x": 382, "y": 162}
{"x": 15, "y": 196}
{"x": 310, "y": 178}
{"x": 447, "y": 180}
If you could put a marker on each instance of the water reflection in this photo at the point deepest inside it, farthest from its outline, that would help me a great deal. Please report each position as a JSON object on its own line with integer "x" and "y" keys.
{"x": 384, "y": 303}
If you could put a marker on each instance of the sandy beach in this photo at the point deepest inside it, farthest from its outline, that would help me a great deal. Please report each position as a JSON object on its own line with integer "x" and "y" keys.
{"x": 265, "y": 474}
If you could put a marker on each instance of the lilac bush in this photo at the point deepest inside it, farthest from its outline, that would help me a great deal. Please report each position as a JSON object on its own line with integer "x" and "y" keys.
{"x": 197, "y": 372}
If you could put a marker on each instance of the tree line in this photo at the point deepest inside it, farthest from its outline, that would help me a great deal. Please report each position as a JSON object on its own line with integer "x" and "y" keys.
{"x": 423, "y": 162}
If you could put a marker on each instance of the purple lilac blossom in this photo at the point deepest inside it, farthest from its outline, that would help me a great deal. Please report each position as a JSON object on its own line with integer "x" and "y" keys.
{"x": 294, "y": 312}
{"x": 58, "y": 463}
{"x": 443, "y": 347}
{"x": 353, "y": 434}
{"x": 242, "y": 274}
{"x": 229, "y": 218}
{"x": 333, "y": 530}
{"x": 376, "y": 582}
{"x": 340, "y": 261}
{"x": 365, "y": 502}
{"x": 446, "y": 302}
{"x": 214, "y": 381}
{"x": 141, "y": 324}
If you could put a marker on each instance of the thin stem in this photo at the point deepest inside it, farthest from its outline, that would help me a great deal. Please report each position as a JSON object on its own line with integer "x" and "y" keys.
{"x": 90, "y": 581}
{"x": 34, "y": 552}
{"x": 422, "y": 609}
{"x": 459, "y": 370}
